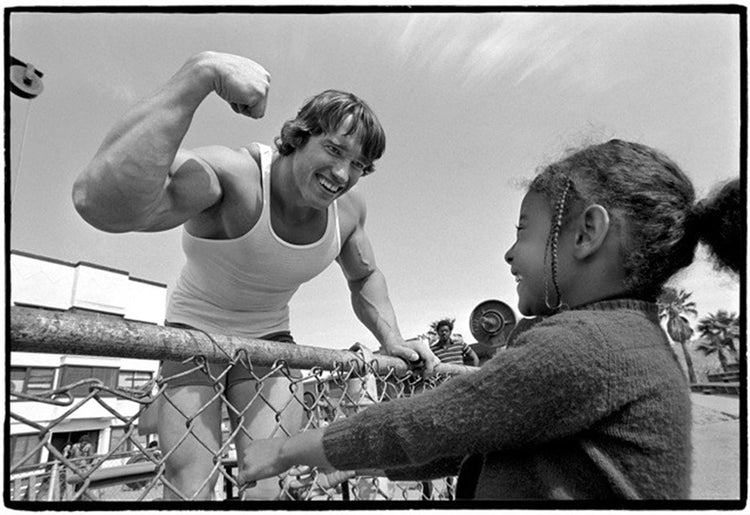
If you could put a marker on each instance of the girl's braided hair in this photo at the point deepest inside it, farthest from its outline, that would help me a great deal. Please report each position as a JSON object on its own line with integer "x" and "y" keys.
{"x": 652, "y": 202}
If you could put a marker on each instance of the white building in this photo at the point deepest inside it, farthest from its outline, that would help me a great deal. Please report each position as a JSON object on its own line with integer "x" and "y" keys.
{"x": 53, "y": 284}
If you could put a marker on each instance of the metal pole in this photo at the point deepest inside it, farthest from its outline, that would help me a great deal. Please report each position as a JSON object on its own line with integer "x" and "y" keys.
{"x": 96, "y": 334}
{"x": 88, "y": 333}
{"x": 53, "y": 479}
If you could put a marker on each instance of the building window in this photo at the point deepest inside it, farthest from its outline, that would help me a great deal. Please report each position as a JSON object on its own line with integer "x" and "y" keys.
{"x": 31, "y": 380}
{"x": 17, "y": 379}
{"x": 127, "y": 446}
{"x": 70, "y": 374}
{"x": 133, "y": 379}
{"x": 20, "y": 446}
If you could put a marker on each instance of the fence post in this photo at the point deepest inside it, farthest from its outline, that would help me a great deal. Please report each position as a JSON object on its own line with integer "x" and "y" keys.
{"x": 31, "y": 491}
{"x": 16, "y": 489}
{"x": 228, "y": 484}
{"x": 53, "y": 480}
{"x": 345, "y": 491}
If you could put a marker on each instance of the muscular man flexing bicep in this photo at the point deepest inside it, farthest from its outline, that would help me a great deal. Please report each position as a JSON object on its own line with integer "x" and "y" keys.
{"x": 139, "y": 180}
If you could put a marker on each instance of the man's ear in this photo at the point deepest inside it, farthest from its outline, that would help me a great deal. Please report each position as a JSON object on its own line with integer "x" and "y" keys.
{"x": 593, "y": 227}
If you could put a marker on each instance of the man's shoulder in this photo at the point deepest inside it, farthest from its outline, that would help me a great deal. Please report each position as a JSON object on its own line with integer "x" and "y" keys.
{"x": 237, "y": 171}
{"x": 229, "y": 161}
{"x": 352, "y": 211}
{"x": 352, "y": 202}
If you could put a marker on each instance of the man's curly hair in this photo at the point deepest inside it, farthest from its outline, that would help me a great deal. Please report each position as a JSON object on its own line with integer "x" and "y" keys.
{"x": 437, "y": 324}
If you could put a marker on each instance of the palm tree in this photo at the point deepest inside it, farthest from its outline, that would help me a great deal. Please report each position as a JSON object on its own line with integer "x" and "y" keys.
{"x": 721, "y": 331}
{"x": 674, "y": 305}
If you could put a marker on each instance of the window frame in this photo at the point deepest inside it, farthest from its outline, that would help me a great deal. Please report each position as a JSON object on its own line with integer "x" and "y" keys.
{"x": 27, "y": 379}
{"x": 27, "y": 440}
{"x": 107, "y": 375}
{"x": 132, "y": 380}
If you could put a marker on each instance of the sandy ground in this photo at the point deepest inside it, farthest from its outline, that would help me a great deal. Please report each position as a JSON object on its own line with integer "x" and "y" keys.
{"x": 716, "y": 447}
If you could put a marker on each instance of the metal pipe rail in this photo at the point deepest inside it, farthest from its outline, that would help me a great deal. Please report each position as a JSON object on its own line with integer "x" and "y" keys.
{"x": 96, "y": 334}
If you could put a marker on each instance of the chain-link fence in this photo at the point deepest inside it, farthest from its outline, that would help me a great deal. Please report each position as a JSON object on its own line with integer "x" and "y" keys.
{"x": 322, "y": 384}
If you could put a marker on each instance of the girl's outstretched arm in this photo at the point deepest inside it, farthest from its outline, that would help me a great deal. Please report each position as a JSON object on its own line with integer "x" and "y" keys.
{"x": 304, "y": 450}
{"x": 267, "y": 458}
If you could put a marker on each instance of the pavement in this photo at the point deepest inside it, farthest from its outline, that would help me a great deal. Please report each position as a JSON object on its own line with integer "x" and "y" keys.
{"x": 716, "y": 447}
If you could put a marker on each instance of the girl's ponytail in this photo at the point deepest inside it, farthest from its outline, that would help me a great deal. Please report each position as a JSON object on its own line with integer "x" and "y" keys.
{"x": 718, "y": 221}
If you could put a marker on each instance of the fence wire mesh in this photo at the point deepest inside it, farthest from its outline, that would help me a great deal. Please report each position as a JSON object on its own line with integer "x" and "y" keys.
{"x": 331, "y": 385}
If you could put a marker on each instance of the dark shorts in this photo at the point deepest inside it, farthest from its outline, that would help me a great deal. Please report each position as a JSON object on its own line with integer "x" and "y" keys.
{"x": 237, "y": 374}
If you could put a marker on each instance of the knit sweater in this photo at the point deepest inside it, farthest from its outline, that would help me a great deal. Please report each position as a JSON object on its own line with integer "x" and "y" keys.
{"x": 585, "y": 404}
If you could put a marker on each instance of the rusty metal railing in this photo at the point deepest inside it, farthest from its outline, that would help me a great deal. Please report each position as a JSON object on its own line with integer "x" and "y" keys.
{"x": 336, "y": 383}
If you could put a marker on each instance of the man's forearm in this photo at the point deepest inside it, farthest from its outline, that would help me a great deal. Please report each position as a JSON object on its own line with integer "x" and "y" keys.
{"x": 132, "y": 164}
{"x": 373, "y": 307}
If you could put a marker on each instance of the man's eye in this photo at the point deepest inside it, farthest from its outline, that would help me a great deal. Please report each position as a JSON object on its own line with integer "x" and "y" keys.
{"x": 333, "y": 150}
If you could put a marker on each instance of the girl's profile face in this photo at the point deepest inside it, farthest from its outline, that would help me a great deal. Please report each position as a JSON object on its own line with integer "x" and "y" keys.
{"x": 526, "y": 256}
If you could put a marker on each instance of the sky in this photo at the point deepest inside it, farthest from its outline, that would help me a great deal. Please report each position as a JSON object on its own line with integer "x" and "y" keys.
{"x": 472, "y": 104}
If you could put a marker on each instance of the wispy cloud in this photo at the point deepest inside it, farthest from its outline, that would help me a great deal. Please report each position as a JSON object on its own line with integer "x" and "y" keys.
{"x": 121, "y": 92}
{"x": 513, "y": 47}
{"x": 110, "y": 75}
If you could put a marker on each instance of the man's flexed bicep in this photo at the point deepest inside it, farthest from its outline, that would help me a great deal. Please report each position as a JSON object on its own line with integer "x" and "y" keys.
{"x": 192, "y": 186}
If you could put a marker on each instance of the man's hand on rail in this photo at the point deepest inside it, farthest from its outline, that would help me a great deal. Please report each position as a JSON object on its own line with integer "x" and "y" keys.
{"x": 426, "y": 362}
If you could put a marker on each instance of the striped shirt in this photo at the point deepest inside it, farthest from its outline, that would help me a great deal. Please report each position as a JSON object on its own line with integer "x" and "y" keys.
{"x": 454, "y": 352}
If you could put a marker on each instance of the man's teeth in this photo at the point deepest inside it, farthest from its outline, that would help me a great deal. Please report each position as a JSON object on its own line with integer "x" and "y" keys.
{"x": 328, "y": 185}
{"x": 518, "y": 278}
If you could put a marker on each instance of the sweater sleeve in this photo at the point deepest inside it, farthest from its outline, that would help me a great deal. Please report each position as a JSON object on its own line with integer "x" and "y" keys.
{"x": 552, "y": 384}
{"x": 438, "y": 468}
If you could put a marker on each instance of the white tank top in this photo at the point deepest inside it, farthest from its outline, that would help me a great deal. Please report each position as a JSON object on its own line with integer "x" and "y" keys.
{"x": 243, "y": 286}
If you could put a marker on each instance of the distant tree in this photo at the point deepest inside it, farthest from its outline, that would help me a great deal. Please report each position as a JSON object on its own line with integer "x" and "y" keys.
{"x": 721, "y": 332}
{"x": 675, "y": 306}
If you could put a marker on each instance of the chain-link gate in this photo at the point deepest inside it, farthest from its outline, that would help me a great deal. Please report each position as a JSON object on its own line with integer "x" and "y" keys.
{"x": 335, "y": 384}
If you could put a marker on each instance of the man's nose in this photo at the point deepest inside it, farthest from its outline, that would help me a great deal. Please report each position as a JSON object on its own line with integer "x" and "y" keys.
{"x": 341, "y": 170}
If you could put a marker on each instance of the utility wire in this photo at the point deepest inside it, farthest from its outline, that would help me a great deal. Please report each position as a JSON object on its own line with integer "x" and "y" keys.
{"x": 20, "y": 154}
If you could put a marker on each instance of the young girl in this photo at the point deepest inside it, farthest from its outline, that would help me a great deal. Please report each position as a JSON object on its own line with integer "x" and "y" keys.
{"x": 588, "y": 402}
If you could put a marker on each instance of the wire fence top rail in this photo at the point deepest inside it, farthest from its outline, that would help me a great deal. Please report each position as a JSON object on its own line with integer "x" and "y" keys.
{"x": 91, "y": 333}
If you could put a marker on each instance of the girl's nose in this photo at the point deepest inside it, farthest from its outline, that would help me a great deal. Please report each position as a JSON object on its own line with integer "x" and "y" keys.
{"x": 509, "y": 255}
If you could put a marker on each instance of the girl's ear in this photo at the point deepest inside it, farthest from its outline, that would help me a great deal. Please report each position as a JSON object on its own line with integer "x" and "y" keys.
{"x": 593, "y": 227}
